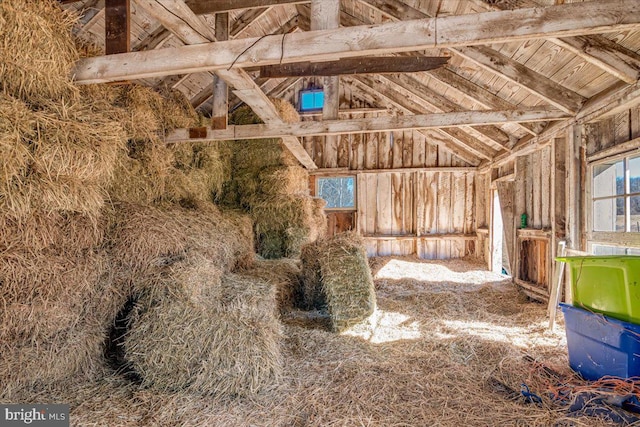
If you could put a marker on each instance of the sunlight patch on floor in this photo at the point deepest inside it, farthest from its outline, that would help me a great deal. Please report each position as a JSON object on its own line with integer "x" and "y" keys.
{"x": 518, "y": 336}
{"x": 421, "y": 271}
{"x": 386, "y": 326}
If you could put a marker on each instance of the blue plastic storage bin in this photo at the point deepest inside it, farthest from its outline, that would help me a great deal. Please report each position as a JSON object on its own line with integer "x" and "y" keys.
{"x": 600, "y": 345}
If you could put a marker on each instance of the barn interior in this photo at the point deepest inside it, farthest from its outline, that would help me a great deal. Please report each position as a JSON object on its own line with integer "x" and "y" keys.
{"x": 312, "y": 213}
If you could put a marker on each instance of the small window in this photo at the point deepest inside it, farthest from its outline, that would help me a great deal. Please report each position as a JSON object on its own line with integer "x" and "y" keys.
{"x": 339, "y": 192}
{"x": 311, "y": 100}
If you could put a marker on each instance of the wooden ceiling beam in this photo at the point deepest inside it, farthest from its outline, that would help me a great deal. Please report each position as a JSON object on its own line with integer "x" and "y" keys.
{"x": 205, "y": 94}
{"x": 201, "y": 7}
{"x": 369, "y": 124}
{"x": 364, "y": 65}
{"x": 473, "y": 29}
{"x": 447, "y": 77}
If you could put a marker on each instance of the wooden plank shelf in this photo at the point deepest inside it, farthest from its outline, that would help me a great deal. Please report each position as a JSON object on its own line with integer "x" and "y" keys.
{"x": 534, "y": 233}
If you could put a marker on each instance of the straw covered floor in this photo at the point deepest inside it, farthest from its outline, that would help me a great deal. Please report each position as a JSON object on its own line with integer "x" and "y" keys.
{"x": 431, "y": 354}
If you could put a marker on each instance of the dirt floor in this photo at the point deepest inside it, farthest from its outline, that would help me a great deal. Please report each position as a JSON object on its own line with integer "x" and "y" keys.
{"x": 450, "y": 345}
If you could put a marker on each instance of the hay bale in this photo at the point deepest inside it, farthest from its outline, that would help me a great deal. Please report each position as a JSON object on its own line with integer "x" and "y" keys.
{"x": 201, "y": 172}
{"x": 144, "y": 238}
{"x": 284, "y": 275}
{"x": 286, "y": 110}
{"x": 177, "y": 111}
{"x": 37, "y": 52}
{"x": 151, "y": 114}
{"x": 143, "y": 172}
{"x": 346, "y": 284}
{"x": 283, "y": 224}
{"x": 312, "y": 296}
{"x": 57, "y": 310}
{"x": 287, "y": 180}
{"x": 64, "y": 156}
{"x": 221, "y": 337}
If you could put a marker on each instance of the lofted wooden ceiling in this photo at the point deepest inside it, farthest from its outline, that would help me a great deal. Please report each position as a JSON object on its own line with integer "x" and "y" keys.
{"x": 538, "y": 65}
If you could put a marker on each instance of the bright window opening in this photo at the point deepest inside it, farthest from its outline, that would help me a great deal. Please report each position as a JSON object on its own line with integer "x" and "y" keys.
{"x": 311, "y": 100}
{"x": 616, "y": 195}
{"x": 339, "y": 192}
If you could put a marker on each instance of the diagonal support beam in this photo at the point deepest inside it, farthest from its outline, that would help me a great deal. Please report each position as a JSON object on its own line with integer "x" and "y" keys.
{"x": 177, "y": 17}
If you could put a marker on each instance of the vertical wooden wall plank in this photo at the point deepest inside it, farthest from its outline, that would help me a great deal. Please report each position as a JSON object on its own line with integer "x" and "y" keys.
{"x": 445, "y": 194}
{"x": 536, "y": 217}
{"x": 469, "y": 211}
{"x": 635, "y": 122}
{"x": 419, "y": 145}
{"x": 407, "y": 149}
{"x": 546, "y": 189}
{"x": 384, "y": 217}
{"x": 431, "y": 159}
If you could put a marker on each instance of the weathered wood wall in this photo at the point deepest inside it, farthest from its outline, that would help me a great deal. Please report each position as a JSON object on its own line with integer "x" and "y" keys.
{"x": 430, "y": 214}
{"x": 607, "y": 133}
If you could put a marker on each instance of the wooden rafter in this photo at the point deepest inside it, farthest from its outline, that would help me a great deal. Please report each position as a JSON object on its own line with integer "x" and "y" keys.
{"x": 596, "y": 50}
{"x": 533, "y": 82}
{"x": 493, "y": 61}
{"x": 435, "y": 136}
{"x": 414, "y": 105}
{"x": 371, "y": 124}
{"x": 553, "y": 21}
{"x": 439, "y": 103}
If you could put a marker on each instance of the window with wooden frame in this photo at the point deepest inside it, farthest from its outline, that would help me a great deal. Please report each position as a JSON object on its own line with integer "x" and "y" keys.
{"x": 614, "y": 212}
{"x": 338, "y": 191}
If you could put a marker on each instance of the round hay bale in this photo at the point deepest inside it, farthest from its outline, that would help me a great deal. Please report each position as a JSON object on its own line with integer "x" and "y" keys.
{"x": 346, "y": 284}
{"x": 222, "y": 337}
{"x": 37, "y": 50}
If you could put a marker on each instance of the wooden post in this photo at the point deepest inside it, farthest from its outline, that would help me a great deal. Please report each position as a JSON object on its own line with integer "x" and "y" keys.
{"x": 574, "y": 188}
{"x": 117, "y": 26}
{"x": 220, "y": 108}
{"x": 325, "y": 15}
